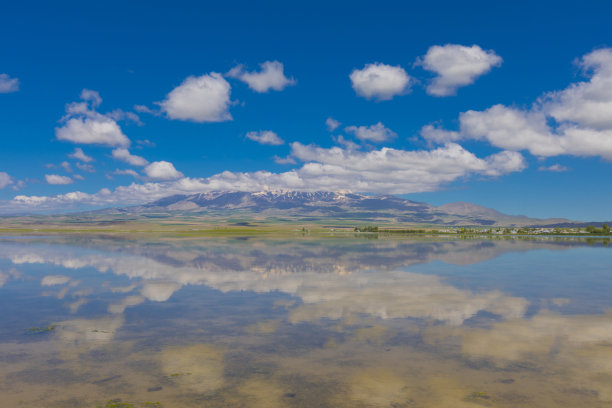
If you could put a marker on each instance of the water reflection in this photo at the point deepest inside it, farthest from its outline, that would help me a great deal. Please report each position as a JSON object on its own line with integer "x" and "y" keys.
{"x": 302, "y": 322}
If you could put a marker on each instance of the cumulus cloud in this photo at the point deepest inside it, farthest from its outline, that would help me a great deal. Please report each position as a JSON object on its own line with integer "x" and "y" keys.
{"x": 144, "y": 109}
{"x": 126, "y": 172}
{"x": 511, "y": 128}
{"x": 348, "y": 144}
{"x": 332, "y": 124}
{"x": 86, "y": 167}
{"x": 57, "y": 179}
{"x": 586, "y": 104}
{"x": 374, "y": 133}
{"x": 91, "y": 96}
{"x": 5, "y": 179}
{"x": 123, "y": 154}
{"x": 78, "y": 154}
{"x": 265, "y": 137}
{"x": 83, "y": 124}
{"x": 8, "y": 84}
{"x": 573, "y": 121}
{"x": 119, "y": 114}
{"x": 556, "y": 168}
{"x": 145, "y": 143}
{"x": 52, "y": 280}
{"x": 199, "y": 99}
{"x": 456, "y": 66}
{"x": 162, "y": 170}
{"x": 380, "y": 81}
{"x": 435, "y": 134}
{"x": 271, "y": 76}
{"x": 284, "y": 160}
{"x": 398, "y": 171}
{"x": 66, "y": 166}
{"x": 18, "y": 185}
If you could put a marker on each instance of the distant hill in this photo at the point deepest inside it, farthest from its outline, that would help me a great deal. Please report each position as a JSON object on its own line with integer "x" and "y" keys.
{"x": 319, "y": 206}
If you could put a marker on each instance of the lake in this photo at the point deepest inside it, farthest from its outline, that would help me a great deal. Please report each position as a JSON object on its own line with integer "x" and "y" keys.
{"x": 335, "y": 321}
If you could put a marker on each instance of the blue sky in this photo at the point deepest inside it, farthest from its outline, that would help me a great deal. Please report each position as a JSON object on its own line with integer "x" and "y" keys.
{"x": 505, "y": 104}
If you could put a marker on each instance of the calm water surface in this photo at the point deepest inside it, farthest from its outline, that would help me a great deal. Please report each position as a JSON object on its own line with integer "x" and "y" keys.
{"x": 304, "y": 322}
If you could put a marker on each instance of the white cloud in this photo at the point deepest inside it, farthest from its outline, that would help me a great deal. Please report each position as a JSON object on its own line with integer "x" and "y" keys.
{"x": 78, "y": 177}
{"x": 124, "y": 155}
{"x": 80, "y": 155}
{"x": 199, "y": 99}
{"x": 83, "y": 124}
{"x": 374, "y": 133}
{"x": 348, "y": 144}
{"x": 380, "y": 81}
{"x": 456, "y": 66}
{"x": 91, "y": 96}
{"x": 19, "y": 184}
{"x": 92, "y": 131}
{"x": 119, "y": 114}
{"x": 438, "y": 135}
{"x": 66, "y": 166}
{"x": 586, "y": 104}
{"x": 86, "y": 167}
{"x": 271, "y": 76}
{"x": 397, "y": 171}
{"x": 126, "y": 172}
{"x": 511, "y": 128}
{"x": 332, "y": 124}
{"x": 52, "y": 280}
{"x": 284, "y": 160}
{"x": 8, "y": 84}
{"x": 265, "y": 137}
{"x": 574, "y": 121}
{"x": 57, "y": 179}
{"x": 5, "y": 179}
{"x": 557, "y": 168}
{"x": 145, "y": 143}
{"x": 162, "y": 170}
{"x": 144, "y": 109}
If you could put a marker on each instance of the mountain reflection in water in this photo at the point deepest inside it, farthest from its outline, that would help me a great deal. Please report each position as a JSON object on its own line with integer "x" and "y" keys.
{"x": 305, "y": 322}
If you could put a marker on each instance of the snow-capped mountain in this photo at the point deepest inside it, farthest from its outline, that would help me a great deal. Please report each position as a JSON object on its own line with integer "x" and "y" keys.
{"x": 332, "y": 205}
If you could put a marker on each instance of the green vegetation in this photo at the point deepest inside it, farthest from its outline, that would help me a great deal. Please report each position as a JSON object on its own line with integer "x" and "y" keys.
{"x": 480, "y": 398}
{"x": 174, "y": 375}
{"x": 368, "y": 228}
{"x": 117, "y": 403}
{"x": 222, "y": 225}
{"x": 41, "y": 330}
{"x": 407, "y": 231}
{"x": 604, "y": 230}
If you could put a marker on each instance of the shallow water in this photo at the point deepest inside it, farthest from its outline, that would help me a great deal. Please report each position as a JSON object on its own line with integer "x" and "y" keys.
{"x": 304, "y": 322}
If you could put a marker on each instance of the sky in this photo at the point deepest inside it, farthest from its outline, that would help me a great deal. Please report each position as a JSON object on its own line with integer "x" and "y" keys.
{"x": 503, "y": 104}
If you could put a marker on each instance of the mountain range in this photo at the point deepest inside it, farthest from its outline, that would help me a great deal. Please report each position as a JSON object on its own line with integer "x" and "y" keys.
{"x": 329, "y": 206}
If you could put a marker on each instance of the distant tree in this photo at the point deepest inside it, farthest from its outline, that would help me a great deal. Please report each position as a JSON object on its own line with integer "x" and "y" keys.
{"x": 605, "y": 229}
{"x": 368, "y": 228}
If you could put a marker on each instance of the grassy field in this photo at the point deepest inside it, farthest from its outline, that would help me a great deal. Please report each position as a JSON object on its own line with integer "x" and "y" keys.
{"x": 217, "y": 225}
